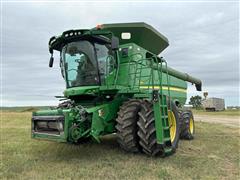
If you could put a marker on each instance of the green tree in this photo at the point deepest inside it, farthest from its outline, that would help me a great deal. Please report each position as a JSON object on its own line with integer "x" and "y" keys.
{"x": 196, "y": 101}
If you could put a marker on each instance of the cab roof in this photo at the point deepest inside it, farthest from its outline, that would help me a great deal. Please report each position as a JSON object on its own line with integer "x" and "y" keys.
{"x": 139, "y": 33}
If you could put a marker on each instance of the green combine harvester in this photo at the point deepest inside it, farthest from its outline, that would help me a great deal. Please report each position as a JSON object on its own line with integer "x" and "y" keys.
{"x": 117, "y": 83}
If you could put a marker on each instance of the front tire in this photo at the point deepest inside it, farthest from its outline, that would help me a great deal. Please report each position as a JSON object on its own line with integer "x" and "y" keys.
{"x": 127, "y": 125}
{"x": 147, "y": 130}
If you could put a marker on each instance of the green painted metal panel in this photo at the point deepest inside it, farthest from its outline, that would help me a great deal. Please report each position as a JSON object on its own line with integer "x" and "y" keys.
{"x": 68, "y": 117}
{"x": 141, "y": 33}
{"x": 81, "y": 90}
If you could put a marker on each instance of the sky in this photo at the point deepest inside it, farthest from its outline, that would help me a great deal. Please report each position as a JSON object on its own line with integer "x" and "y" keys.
{"x": 203, "y": 37}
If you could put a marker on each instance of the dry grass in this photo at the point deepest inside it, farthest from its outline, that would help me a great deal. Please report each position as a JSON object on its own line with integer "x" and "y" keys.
{"x": 214, "y": 154}
{"x": 227, "y": 112}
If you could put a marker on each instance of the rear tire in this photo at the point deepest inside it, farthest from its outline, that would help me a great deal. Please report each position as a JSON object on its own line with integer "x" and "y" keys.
{"x": 187, "y": 125}
{"x": 127, "y": 125}
{"x": 147, "y": 130}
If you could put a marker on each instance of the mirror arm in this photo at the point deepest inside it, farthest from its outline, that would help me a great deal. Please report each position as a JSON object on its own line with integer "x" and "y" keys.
{"x": 51, "y": 60}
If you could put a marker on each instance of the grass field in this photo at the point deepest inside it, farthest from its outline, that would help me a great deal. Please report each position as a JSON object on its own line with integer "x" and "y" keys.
{"x": 218, "y": 113}
{"x": 214, "y": 154}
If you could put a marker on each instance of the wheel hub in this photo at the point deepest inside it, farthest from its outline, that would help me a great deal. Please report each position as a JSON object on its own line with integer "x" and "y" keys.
{"x": 191, "y": 125}
{"x": 172, "y": 124}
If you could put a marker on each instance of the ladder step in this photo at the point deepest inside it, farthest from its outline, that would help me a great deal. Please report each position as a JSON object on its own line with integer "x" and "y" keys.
{"x": 166, "y": 128}
{"x": 166, "y": 116}
{"x": 168, "y": 150}
{"x": 167, "y": 139}
{"x": 144, "y": 76}
{"x": 142, "y": 68}
{"x": 134, "y": 73}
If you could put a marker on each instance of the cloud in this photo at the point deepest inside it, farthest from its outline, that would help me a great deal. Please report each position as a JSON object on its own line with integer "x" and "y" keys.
{"x": 204, "y": 41}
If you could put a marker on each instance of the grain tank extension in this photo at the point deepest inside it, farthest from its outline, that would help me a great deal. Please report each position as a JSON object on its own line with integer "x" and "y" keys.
{"x": 117, "y": 83}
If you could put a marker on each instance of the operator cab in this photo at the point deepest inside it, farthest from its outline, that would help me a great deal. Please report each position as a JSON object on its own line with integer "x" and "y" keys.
{"x": 86, "y": 63}
{"x": 85, "y": 58}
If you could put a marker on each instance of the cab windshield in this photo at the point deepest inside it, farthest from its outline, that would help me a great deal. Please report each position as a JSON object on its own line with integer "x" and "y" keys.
{"x": 84, "y": 63}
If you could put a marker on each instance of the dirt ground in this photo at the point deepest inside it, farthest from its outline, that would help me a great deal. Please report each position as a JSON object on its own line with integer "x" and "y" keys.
{"x": 233, "y": 121}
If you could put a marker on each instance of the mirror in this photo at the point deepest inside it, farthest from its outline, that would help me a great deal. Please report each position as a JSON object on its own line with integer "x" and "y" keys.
{"x": 51, "y": 61}
{"x": 114, "y": 43}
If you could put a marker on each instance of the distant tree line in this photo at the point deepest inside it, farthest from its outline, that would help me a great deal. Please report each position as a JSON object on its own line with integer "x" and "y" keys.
{"x": 196, "y": 102}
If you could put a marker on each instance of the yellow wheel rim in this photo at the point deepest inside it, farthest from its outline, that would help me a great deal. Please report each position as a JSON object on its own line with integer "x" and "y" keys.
{"x": 191, "y": 125}
{"x": 172, "y": 124}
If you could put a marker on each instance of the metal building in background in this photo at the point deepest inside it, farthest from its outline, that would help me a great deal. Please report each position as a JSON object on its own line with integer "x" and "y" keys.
{"x": 213, "y": 104}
